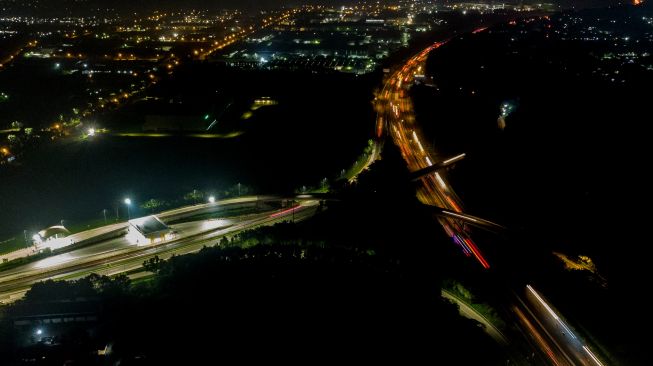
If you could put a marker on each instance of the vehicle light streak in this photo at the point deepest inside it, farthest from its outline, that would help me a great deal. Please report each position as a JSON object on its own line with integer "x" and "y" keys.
{"x": 461, "y": 216}
{"x": 419, "y": 144}
{"x": 440, "y": 181}
{"x": 462, "y": 245}
{"x": 592, "y": 356}
{"x": 476, "y": 252}
{"x": 399, "y": 117}
{"x": 455, "y": 158}
{"x": 536, "y": 335}
{"x": 548, "y": 308}
{"x": 285, "y": 211}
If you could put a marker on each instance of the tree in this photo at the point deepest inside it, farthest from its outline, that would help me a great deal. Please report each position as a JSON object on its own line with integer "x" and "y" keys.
{"x": 152, "y": 204}
{"x": 238, "y": 190}
{"x": 194, "y": 196}
{"x": 153, "y": 264}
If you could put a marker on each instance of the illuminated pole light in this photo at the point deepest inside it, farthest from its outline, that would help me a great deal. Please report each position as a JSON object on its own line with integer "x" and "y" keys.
{"x": 211, "y": 199}
{"x": 128, "y": 202}
{"x": 91, "y": 132}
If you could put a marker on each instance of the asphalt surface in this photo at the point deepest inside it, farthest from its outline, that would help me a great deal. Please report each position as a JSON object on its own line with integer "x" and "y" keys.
{"x": 118, "y": 255}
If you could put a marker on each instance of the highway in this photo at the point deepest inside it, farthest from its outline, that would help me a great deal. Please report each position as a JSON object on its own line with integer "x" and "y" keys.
{"x": 549, "y": 331}
{"x": 118, "y": 255}
{"x": 552, "y": 340}
{"x": 397, "y": 117}
{"x": 89, "y": 235}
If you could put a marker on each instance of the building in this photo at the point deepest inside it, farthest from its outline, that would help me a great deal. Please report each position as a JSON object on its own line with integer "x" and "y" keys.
{"x": 50, "y": 234}
{"x": 148, "y": 230}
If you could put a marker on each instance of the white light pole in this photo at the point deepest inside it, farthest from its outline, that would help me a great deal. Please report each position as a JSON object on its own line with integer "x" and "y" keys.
{"x": 128, "y": 202}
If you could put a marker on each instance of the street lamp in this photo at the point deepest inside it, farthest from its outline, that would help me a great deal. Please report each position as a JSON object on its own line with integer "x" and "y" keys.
{"x": 91, "y": 132}
{"x": 128, "y": 202}
{"x": 212, "y": 199}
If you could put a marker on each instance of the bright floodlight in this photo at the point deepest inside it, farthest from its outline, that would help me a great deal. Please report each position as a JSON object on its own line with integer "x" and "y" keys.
{"x": 212, "y": 199}
{"x": 91, "y": 131}
{"x": 128, "y": 201}
{"x": 39, "y": 331}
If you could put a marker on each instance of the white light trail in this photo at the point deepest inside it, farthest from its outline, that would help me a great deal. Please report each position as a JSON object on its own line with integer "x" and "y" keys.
{"x": 455, "y": 158}
{"x": 592, "y": 356}
{"x": 461, "y": 216}
{"x": 553, "y": 314}
{"x": 440, "y": 180}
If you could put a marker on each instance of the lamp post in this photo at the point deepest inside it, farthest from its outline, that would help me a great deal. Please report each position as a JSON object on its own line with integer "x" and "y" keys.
{"x": 211, "y": 199}
{"x": 128, "y": 203}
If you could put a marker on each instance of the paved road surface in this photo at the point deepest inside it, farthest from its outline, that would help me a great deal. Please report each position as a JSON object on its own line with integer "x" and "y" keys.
{"x": 118, "y": 255}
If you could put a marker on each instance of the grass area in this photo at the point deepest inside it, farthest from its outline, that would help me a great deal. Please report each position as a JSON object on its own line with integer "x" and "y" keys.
{"x": 88, "y": 225}
{"x": 484, "y": 309}
{"x": 361, "y": 162}
{"x": 217, "y": 214}
{"x": 24, "y": 260}
{"x": 18, "y": 242}
{"x": 13, "y": 244}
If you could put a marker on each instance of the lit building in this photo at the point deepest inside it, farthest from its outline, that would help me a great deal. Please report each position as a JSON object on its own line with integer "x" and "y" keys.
{"x": 48, "y": 237}
{"x": 148, "y": 230}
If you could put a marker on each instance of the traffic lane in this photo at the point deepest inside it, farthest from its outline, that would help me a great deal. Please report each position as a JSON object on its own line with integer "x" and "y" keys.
{"x": 560, "y": 332}
{"x": 113, "y": 246}
{"x": 300, "y": 212}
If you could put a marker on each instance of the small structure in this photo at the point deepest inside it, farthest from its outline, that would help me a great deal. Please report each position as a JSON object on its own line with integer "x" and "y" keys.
{"x": 50, "y": 234}
{"x": 148, "y": 230}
